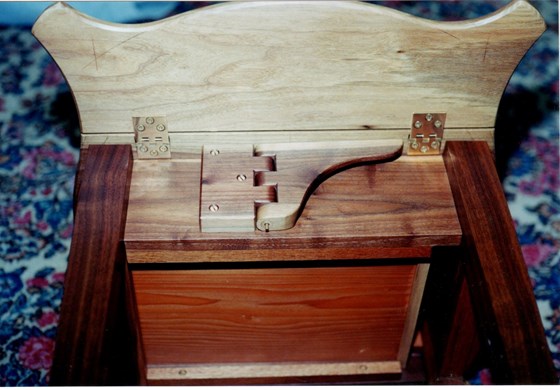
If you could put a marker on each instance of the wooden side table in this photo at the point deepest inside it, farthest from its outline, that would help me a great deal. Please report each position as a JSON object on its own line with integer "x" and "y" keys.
{"x": 292, "y": 192}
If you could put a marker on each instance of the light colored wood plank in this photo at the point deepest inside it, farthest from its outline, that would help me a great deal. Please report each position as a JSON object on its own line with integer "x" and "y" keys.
{"x": 362, "y": 210}
{"x": 222, "y": 316}
{"x": 287, "y": 65}
{"x": 272, "y": 370}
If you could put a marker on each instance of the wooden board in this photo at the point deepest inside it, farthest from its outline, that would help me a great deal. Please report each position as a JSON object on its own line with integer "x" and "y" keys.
{"x": 364, "y": 212}
{"x": 266, "y": 187}
{"x": 283, "y": 65}
{"x": 275, "y": 315}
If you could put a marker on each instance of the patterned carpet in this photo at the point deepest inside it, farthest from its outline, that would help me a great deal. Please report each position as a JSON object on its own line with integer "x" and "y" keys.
{"x": 39, "y": 140}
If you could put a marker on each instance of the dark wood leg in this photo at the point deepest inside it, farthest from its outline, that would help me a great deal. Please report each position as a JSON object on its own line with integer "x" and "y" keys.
{"x": 97, "y": 339}
{"x": 499, "y": 286}
{"x": 451, "y": 343}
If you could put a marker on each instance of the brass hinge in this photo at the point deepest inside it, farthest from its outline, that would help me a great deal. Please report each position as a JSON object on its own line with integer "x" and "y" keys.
{"x": 151, "y": 137}
{"x": 426, "y": 135}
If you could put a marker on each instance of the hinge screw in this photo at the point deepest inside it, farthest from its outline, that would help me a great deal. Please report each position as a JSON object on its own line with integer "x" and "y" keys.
{"x": 213, "y": 207}
{"x": 163, "y": 148}
{"x": 143, "y": 148}
{"x": 435, "y": 145}
{"x": 437, "y": 124}
{"x": 140, "y": 128}
{"x": 160, "y": 127}
{"x": 149, "y": 120}
{"x": 418, "y": 124}
{"x": 153, "y": 153}
{"x": 424, "y": 149}
{"x": 414, "y": 145}
{"x": 429, "y": 117}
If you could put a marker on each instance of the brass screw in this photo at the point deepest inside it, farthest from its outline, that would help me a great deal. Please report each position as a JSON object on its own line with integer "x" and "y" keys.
{"x": 214, "y": 207}
{"x": 160, "y": 127}
{"x": 149, "y": 120}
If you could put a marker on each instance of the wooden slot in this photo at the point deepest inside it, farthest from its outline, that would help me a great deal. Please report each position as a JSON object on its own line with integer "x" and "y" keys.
{"x": 280, "y": 316}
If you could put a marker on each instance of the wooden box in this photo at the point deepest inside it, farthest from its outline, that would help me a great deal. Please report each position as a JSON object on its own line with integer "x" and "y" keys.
{"x": 289, "y": 192}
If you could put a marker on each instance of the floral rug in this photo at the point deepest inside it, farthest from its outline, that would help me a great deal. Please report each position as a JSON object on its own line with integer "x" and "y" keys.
{"x": 39, "y": 140}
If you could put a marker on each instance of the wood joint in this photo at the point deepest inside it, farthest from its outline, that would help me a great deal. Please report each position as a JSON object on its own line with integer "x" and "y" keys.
{"x": 265, "y": 187}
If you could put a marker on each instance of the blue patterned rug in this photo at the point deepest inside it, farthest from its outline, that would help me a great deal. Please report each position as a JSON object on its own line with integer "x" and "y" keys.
{"x": 39, "y": 140}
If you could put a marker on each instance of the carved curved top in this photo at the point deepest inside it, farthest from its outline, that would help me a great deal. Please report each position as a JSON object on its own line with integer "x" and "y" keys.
{"x": 287, "y": 65}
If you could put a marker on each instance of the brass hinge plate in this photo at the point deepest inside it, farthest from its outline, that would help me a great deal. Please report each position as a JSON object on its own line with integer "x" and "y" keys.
{"x": 426, "y": 135}
{"x": 152, "y": 137}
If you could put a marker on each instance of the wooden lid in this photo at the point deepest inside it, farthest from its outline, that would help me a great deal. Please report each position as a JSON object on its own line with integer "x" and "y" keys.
{"x": 255, "y": 69}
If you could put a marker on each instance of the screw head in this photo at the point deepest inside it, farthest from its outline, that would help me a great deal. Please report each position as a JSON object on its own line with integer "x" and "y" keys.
{"x": 418, "y": 124}
{"x": 214, "y": 152}
{"x": 435, "y": 145}
{"x": 143, "y": 148}
{"x": 160, "y": 127}
{"x": 214, "y": 207}
{"x": 163, "y": 148}
{"x": 150, "y": 120}
{"x": 241, "y": 177}
{"x": 140, "y": 128}
{"x": 429, "y": 117}
{"x": 424, "y": 149}
{"x": 153, "y": 153}
{"x": 414, "y": 145}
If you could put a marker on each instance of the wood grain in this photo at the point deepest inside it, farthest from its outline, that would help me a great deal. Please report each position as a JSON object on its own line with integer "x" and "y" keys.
{"x": 449, "y": 330}
{"x": 279, "y": 66}
{"x": 265, "y": 370}
{"x": 363, "y": 211}
{"x": 266, "y": 187}
{"x": 96, "y": 344}
{"x": 276, "y": 315}
{"x": 497, "y": 276}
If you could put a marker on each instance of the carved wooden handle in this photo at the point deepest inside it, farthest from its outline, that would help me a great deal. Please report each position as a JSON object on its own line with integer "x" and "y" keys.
{"x": 267, "y": 186}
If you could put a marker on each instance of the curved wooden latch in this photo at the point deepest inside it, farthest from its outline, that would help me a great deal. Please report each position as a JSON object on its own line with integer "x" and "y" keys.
{"x": 244, "y": 187}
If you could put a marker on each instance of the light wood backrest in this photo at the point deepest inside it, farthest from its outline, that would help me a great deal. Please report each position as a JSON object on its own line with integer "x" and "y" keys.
{"x": 281, "y": 70}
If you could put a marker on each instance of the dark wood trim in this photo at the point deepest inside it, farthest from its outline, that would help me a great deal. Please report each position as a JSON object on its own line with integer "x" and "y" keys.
{"x": 96, "y": 341}
{"x": 500, "y": 289}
